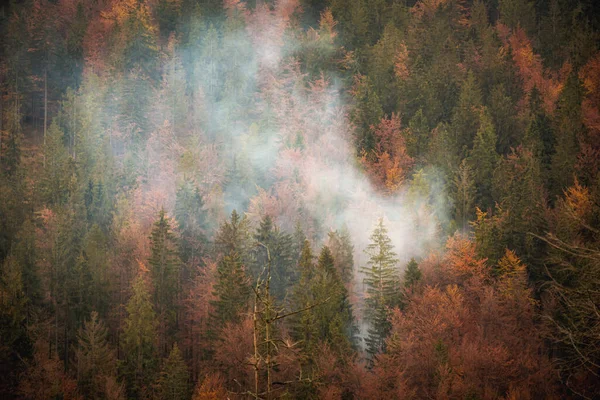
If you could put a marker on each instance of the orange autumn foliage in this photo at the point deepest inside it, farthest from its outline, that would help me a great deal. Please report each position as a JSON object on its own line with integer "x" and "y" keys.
{"x": 466, "y": 334}
{"x": 530, "y": 68}
{"x": 589, "y": 157}
{"x": 390, "y": 163}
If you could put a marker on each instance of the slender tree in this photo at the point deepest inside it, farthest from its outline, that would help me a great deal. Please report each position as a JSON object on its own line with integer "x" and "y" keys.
{"x": 382, "y": 288}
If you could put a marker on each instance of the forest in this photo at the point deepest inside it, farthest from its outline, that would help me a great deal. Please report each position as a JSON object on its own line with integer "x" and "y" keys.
{"x": 299, "y": 199}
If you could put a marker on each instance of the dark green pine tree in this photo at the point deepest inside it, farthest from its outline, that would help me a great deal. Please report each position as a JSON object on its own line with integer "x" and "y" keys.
{"x": 569, "y": 127}
{"x": 13, "y": 315}
{"x": 412, "y": 273}
{"x": 232, "y": 289}
{"x": 55, "y": 180}
{"x": 382, "y": 288}
{"x": 519, "y": 190}
{"x": 95, "y": 252}
{"x": 334, "y": 319}
{"x": 191, "y": 218}
{"x": 539, "y": 137}
{"x": 234, "y": 236}
{"x": 280, "y": 247}
{"x": 465, "y": 119}
{"x": 10, "y": 148}
{"x": 139, "y": 341}
{"x": 483, "y": 159}
{"x": 367, "y": 112}
{"x": 343, "y": 253}
{"x": 303, "y": 326}
{"x": 25, "y": 252}
{"x": 327, "y": 313}
{"x": 164, "y": 270}
{"x": 94, "y": 360}
{"x": 173, "y": 380}
{"x": 298, "y": 239}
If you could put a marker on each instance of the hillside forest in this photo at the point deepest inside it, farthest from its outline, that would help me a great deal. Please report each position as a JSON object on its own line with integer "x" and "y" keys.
{"x": 299, "y": 199}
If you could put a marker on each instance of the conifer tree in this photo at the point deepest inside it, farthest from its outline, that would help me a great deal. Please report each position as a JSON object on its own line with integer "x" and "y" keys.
{"x": 334, "y": 320}
{"x": 94, "y": 359}
{"x": 13, "y": 312}
{"x": 55, "y": 181}
{"x": 303, "y": 324}
{"x": 164, "y": 270}
{"x": 173, "y": 381}
{"x": 298, "y": 239}
{"x": 465, "y": 194}
{"x": 10, "y": 146}
{"x": 25, "y": 252}
{"x": 232, "y": 289}
{"x": 382, "y": 287}
{"x": 95, "y": 254}
{"x": 234, "y": 236}
{"x": 139, "y": 340}
{"x": 192, "y": 221}
{"x": 465, "y": 119}
{"x": 412, "y": 274}
{"x": 280, "y": 248}
{"x": 483, "y": 159}
{"x": 367, "y": 113}
{"x": 341, "y": 247}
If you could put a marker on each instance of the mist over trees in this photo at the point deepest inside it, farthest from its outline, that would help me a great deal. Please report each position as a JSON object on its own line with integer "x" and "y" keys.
{"x": 339, "y": 199}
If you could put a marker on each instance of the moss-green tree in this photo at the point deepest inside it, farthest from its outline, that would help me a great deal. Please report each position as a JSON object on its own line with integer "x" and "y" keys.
{"x": 138, "y": 341}
{"x": 232, "y": 289}
{"x": 173, "y": 381}
{"x": 483, "y": 159}
{"x": 164, "y": 271}
{"x": 94, "y": 360}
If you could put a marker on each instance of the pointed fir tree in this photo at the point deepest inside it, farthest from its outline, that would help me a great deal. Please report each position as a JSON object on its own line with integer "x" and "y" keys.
{"x": 164, "y": 269}
{"x": 234, "y": 237}
{"x": 483, "y": 159}
{"x": 191, "y": 218}
{"x": 139, "y": 340}
{"x": 382, "y": 288}
{"x": 55, "y": 181}
{"x": 334, "y": 319}
{"x": 232, "y": 290}
{"x": 303, "y": 326}
{"x": 464, "y": 197}
{"x": 10, "y": 146}
{"x": 465, "y": 119}
{"x": 412, "y": 273}
{"x": 341, "y": 247}
{"x": 173, "y": 381}
{"x": 13, "y": 312}
{"x": 298, "y": 239}
{"x": 94, "y": 359}
{"x": 280, "y": 249}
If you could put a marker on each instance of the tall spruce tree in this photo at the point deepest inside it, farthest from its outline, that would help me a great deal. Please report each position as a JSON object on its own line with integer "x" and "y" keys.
{"x": 139, "y": 341}
{"x": 280, "y": 249}
{"x": 334, "y": 319}
{"x": 191, "y": 218}
{"x": 483, "y": 159}
{"x": 303, "y": 327}
{"x": 232, "y": 289}
{"x": 382, "y": 288}
{"x": 339, "y": 242}
{"x": 94, "y": 359}
{"x": 173, "y": 381}
{"x": 234, "y": 236}
{"x": 165, "y": 271}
